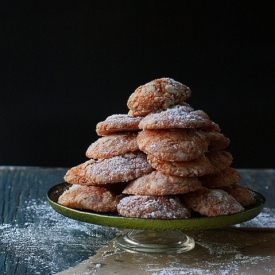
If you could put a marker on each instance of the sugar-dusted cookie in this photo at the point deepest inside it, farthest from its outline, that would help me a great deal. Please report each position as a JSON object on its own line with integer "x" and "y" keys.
{"x": 118, "y": 123}
{"x": 156, "y": 95}
{"x": 243, "y": 195}
{"x": 208, "y": 127}
{"x": 219, "y": 159}
{"x": 225, "y": 177}
{"x": 159, "y": 184}
{"x": 217, "y": 140}
{"x": 113, "y": 145}
{"x": 153, "y": 207}
{"x": 121, "y": 168}
{"x": 193, "y": 168}
{"x": 173, "y": 144}
{"x": 212, "y": 202}
{"x": 95, "y": 198}
{"x": 178, "y": 116}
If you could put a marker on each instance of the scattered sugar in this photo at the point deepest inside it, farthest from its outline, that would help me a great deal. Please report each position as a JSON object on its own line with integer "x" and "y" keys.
{"x": 220, "y": 267}
{"x": 47, "y": 242}
{"x": 218, "y": 248}
{"x": 265, "y": 220}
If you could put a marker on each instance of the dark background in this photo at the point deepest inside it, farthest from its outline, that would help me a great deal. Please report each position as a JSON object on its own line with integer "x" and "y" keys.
{"x": 66, "y": 65}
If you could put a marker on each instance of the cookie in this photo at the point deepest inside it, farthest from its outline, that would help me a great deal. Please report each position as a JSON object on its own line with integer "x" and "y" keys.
{"x": 217, "y": 140}
{"x": 121, "y": 168}
{"x": 118, "y": 123}
{"x": 219, "y": 159}
{"x": 175, "y": 117}
{"x": 243, "y": 195}
{"x": 225, "y": 177}
{"x": 212, "y": 202}
{"x": 173, "y": 144}
{"x": 153, "y": 207}
{"x": 156, "y": 95}
{"x": 159, "y": 184}
{"x": 212, "y": 127}
{"x": 113, "y": 145}
{"x": 95, "y": 198}
{"x": 193, "y": 168}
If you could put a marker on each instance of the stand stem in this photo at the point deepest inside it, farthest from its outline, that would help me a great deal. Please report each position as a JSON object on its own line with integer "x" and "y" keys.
{"x": 154, "y": 242}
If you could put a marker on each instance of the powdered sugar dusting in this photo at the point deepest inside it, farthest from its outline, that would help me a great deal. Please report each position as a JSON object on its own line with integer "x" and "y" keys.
{"x": 178, "y": 116}
{"x": 120, "y": 168}
{"x": 264, "y": 220}
{"x": 112, "y": 170}
{"x": 153, "y": 207}
{"x": 47, "y": 242}
{"x": 123, "y": 118}
{"x": 118, "y": 123}
{"x": 237, "y": 264}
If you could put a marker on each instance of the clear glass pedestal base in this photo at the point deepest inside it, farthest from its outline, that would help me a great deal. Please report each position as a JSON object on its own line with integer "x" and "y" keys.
{"x": 154, "y": 242}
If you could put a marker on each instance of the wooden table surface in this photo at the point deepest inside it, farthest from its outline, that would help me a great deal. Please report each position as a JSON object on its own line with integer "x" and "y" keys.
{"x": 34, "y": 239}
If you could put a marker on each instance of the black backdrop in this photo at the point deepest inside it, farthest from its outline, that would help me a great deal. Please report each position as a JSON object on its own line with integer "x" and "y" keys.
{"x": 67, "y": 65}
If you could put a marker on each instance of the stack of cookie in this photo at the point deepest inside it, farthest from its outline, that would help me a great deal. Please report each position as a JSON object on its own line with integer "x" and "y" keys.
{"x": 162, "y": 160}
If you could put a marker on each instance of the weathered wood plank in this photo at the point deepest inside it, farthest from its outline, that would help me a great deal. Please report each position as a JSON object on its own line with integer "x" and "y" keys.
{"x": 18, "y": 185}
{"x": 262, "y": 181}
{"x": 34, "y": 239}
